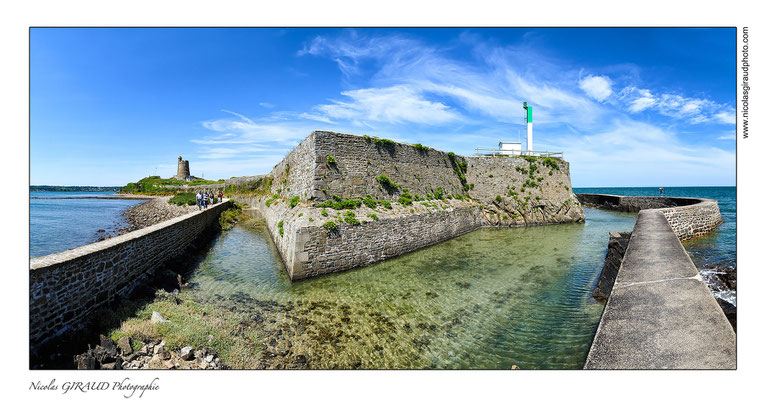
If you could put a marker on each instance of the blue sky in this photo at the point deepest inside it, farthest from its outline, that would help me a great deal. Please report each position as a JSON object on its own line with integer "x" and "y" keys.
{"x": 628, "y": 107}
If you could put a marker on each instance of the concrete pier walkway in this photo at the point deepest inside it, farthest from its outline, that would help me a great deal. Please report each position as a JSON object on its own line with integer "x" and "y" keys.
{"x": 660, "y": 314}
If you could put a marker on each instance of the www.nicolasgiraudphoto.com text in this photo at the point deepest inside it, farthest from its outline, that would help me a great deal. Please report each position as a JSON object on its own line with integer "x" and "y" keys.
{"x": 745, "y": 82}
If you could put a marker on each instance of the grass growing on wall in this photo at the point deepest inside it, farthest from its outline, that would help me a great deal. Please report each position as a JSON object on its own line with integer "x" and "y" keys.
{"x": 370, "y": 202}
{"x": 387, "y": 183}
{"x": 330, "y": 226}
{"x": 350, "y": 218}
{"x": 257, "y": 187}
{"x": 421, "y": 148}
{"x": 341, "y": 204}
{"x": 230, "y": 217}
{"x": 271, "y": 200}
{"x": 293, "y": 201}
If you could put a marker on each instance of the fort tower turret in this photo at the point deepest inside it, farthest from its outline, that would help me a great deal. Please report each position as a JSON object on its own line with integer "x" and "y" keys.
{"x": 183, "y": 169}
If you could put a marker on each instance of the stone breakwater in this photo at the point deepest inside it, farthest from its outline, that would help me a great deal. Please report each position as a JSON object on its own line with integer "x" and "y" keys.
{"x": 688, "y": 217}
{"x": 66, "y": 288}
{"x": 418, "y": 196}
{"x": 659, "y": 313}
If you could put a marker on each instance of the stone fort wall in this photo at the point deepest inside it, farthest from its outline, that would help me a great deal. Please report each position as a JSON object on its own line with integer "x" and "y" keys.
{"x": 66, "y": 288}
{"x": 308, "y": 249}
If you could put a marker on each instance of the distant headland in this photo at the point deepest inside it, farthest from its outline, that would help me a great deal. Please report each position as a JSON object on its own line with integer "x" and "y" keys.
{"x": 52, "y": 188}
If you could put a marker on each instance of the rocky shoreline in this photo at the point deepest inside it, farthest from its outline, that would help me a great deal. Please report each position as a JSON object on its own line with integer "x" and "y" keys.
{"x": 153, "y": 355}
{"x": 154, "y": 211}
{"x": 722, "y": 278}
{"x": 150, "y": 212}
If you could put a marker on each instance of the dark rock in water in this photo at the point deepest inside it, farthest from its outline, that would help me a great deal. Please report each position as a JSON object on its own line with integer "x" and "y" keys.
{"x": 729, "y": 310}
{"x": 103, "y": 356}
{"x": 85, "y": 360}
{"x": 617, "y": 244}
{"x": 720, "y": 278}
{"x": 107, "y": 350}
{"x": 181, "y": 283}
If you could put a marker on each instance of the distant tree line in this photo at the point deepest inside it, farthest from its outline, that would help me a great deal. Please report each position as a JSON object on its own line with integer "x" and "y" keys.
{"x": 47, "y": 188}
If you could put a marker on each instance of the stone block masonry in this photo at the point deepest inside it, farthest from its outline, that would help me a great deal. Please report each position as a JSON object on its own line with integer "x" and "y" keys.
{"x": 66, "y": 288}
{"x": 688, "y": 217}
{"x": 450, "y": 195}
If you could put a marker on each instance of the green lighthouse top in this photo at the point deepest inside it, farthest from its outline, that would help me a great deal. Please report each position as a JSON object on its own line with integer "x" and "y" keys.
{"x": 529, "y": 111}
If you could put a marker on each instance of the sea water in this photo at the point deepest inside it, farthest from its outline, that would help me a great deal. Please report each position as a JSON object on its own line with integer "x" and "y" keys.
{"x": 490, "y": 299}
{"x": 57, "y": 223}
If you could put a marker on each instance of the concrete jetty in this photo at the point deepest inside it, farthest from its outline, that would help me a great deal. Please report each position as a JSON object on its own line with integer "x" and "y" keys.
{"x": 660, "y": 314}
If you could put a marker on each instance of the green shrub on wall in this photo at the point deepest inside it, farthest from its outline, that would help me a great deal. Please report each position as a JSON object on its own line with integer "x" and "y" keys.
{"x": 330, "y": 226}
{"x": 387, "y": 183}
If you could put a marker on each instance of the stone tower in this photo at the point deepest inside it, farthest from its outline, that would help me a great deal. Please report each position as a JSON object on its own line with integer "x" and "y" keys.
{"x": 183, "y": 169}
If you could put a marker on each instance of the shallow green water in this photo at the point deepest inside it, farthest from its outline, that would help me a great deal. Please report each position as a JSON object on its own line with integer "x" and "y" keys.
{"x": 489, "y": 299}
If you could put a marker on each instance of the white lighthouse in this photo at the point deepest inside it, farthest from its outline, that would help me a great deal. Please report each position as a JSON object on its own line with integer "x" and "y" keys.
{"x": 529, "y": 118}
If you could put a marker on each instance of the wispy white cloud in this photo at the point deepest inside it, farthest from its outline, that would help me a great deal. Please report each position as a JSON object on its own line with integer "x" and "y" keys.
{"x": 457, "y": 104}
{"x": 245, "y": 131}
{"x": 315, "y": 117}
{"x": 394, "y": 105}
{"x": 727, "y": 136}
{"x": 494, "y": 86}
{"x": 691, "y": 110}
{"x": 596, "y": 87}
{"x": 236, "y": 139}
{"x": 726, "y": 117}
{"x": 630, "y": 151}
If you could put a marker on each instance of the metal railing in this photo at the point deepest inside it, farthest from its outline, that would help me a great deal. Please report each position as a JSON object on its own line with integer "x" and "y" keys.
{"x": 513, "y": 153}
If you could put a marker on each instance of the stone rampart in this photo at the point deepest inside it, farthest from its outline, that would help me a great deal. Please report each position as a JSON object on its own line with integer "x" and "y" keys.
{"x": 66, "y": 288}
{"x": 449, "y": 195}
{"x": 309, "y": 249}
{"x": 359, "y": 161}
{"x": 688, "y": 217}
